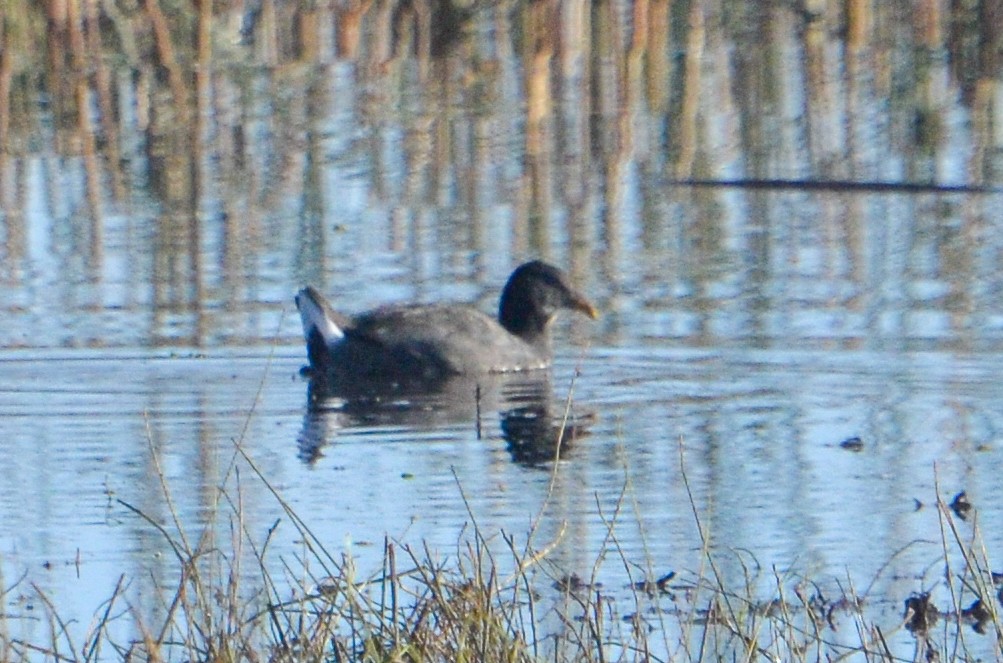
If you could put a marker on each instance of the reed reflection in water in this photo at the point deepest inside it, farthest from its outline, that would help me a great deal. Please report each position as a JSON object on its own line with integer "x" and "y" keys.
{"x": 170, "y": 177}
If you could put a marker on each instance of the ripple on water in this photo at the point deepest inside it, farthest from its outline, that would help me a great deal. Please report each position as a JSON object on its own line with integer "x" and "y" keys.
{"x": 757, "y": 432}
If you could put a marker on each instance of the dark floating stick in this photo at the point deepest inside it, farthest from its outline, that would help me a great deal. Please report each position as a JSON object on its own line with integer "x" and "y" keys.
{"x": 841, "y": 185}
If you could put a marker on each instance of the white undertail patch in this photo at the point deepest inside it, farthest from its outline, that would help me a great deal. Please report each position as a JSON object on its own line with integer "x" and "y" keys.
{"x": 313, "y": 313}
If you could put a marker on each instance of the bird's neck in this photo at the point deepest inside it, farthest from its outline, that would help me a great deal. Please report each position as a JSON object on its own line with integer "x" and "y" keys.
{"x": 525, "y": 322}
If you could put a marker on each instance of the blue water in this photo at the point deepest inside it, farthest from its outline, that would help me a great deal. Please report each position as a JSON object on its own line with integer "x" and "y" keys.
{"x": 150, "y": 349}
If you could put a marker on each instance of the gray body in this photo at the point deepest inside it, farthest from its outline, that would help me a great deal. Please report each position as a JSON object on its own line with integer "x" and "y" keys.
{"x": 422, "y": 343}
{"x": 425, "y": 344}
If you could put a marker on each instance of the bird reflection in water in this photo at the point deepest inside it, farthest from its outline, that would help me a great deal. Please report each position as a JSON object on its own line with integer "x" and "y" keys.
{"x": 537, "y": 428}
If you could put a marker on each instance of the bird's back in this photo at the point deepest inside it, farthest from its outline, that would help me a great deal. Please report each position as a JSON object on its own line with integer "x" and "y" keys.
{"x": 437, "y": 340}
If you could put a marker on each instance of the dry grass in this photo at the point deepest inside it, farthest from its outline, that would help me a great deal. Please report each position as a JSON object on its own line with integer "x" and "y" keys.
{"x": 418, "y": 607}
{"x": 494, "y": 600}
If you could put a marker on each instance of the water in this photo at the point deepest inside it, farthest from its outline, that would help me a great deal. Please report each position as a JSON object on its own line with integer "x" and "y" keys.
{"x": 146, "y": 284}
{"x": 757, "y": 433}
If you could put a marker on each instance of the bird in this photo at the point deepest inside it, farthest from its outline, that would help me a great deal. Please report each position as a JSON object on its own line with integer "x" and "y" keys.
{"x": 421, "y": 344}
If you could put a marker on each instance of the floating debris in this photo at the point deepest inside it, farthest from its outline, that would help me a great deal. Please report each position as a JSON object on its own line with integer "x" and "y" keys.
{"x": 852, "y": 444}
{"x": 574, "y": 583}
{"x": 327, "y": 587}
{"x": 961, "y": 507}
{"x": 660, "y": 586}
{"x": 920, "y": 613}
{"x": 772, "y": 608}
{"x": 638, "y": 622}
{"x": 978, "y": 615}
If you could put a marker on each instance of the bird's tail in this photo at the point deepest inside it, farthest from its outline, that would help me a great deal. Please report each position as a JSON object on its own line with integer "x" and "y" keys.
{"x": 319, "y": 324}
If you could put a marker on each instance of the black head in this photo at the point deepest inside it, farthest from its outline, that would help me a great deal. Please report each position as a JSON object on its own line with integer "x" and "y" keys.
{"x": 535, "y": 293}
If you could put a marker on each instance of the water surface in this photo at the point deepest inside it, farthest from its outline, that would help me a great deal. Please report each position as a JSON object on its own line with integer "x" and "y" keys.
{"x": 158, "y": 219}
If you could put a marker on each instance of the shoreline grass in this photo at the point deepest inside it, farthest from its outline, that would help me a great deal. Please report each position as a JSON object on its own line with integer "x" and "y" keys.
{"x": 499, "y": 597}
{"x": 495, "y": 599}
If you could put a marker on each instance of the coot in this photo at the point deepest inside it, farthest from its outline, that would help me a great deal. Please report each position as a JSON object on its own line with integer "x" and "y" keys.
{"x": 419, "y": 344}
